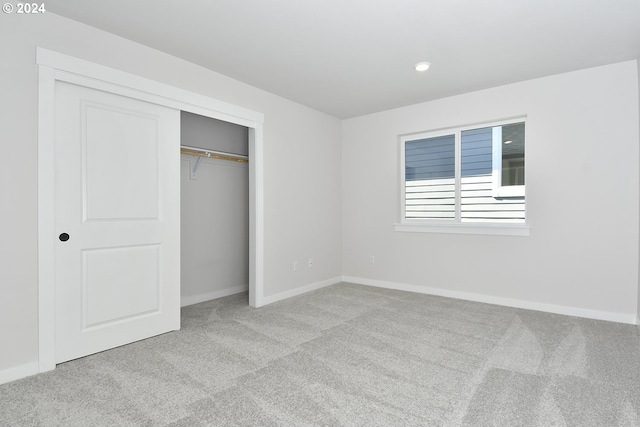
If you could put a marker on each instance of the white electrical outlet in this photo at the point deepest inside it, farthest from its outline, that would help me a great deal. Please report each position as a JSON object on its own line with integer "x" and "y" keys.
{"x": 372, "y": 259}
{"x": 296, "y": 267}
{"x": 310, "y": 262}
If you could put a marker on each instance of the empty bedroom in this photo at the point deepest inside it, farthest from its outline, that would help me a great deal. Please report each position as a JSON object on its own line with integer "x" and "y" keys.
{"x": 320, "y": 213}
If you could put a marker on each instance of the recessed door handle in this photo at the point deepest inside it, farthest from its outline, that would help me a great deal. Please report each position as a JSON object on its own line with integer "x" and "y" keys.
{"x": 64, "y": 237}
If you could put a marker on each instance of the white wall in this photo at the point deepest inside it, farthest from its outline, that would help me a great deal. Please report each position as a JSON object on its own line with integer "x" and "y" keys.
{"x": 301, "y": 172}
{"x": 582, "y": 198}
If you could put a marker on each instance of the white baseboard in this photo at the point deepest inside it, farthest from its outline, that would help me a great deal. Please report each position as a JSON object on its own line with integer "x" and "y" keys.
{"x": 629, "y": 318}
{"x": 13, "y": 374}
{"x": 299, "y": 291}
{"x": 195, "y": 299}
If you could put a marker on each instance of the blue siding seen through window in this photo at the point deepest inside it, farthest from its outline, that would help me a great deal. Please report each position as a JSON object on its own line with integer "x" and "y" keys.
{"x": 476, "y": 146}
{"x": 430, "y": 158}
{"x": 434, "y": 158}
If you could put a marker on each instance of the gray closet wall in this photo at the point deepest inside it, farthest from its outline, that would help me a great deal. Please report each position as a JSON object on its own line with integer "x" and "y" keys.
{"x": 214, "y": 212}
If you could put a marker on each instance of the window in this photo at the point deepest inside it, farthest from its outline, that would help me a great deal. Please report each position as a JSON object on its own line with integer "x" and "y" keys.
{"x": 465, "y": 175}
{"x": 508, "y": 160}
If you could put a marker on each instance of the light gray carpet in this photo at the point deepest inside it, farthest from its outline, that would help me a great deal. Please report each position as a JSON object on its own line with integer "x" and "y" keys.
{"x": 348, "y": 355}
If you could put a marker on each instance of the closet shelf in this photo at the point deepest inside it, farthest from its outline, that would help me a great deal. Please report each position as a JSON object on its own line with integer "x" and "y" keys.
{"x": 212, "y": 154}
{"x": 194, "y": 151}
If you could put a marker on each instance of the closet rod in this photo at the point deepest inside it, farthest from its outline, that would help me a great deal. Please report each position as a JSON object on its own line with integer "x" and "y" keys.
{"x": 202, "y": 152}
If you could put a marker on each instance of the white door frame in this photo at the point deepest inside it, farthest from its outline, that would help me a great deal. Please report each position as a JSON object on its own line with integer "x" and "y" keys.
{"x": 54, "y": 66}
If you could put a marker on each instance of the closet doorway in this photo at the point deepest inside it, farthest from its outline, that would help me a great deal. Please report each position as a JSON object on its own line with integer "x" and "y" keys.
{"x": 214, "y": 229}
{"x": 56, "y": 69}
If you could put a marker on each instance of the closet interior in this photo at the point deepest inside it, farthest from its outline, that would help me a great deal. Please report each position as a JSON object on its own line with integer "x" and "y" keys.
{"x": 214, "y": 203}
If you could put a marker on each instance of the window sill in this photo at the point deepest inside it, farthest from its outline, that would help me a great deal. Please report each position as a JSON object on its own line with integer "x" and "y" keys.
{"x": 466, "y": 228}
{"x": 515, "y": 191}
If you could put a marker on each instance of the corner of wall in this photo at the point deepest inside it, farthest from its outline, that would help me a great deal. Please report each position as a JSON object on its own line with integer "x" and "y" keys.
{"x": 628, "y": 318}
{"x": 638, "y": 277}
{"x": 303, "y": 290}
{"x": 18, "y": 372}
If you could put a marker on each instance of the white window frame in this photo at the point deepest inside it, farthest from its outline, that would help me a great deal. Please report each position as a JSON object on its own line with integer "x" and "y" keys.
{"x": 455, "y": 225}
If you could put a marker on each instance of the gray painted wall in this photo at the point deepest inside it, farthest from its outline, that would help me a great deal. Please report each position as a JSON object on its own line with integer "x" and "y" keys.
{"x": 214, "y": 229}
{"x": 205, "y": 132}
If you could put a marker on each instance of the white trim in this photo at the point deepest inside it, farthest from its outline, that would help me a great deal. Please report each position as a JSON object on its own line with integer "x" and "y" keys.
{"x": 54, "y": 67}
{"x": 82, "y": 69}
{"x": 509, "y": 191}
{"x": 629, "y": 318}
{"x": 303, "y": 290}
{"x": 466, "y": 228}
{"x": 46, "y": 222}
{"x": 496, "y": 159}
{"x": 19, "y": 372}
{"x": 402, "y": 176}
{"x": 208, "y": 296}
{"x": 256, "y": 216}
{"x": 457, "y": 173}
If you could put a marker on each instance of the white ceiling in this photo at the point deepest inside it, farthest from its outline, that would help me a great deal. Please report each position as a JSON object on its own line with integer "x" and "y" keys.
{"x": 353, "y": 57}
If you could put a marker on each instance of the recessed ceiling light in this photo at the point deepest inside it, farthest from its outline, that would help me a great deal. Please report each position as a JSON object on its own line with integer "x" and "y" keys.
{"x": 422, "y": 66}
{"x": 508, "y": 142}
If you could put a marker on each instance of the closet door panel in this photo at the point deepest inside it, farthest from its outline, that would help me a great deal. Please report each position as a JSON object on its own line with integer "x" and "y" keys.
{"x": 126, "y": 142}
{"x": 119, "y": 283}
{"x": 118, "y": 206}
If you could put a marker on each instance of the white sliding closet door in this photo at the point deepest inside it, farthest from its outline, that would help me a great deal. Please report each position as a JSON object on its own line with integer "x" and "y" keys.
{"x": 117, "y": 218}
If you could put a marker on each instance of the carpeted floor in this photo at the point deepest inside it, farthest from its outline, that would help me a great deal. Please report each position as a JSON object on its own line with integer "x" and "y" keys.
{"x": 348, "y": 355}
